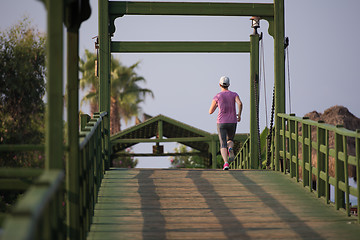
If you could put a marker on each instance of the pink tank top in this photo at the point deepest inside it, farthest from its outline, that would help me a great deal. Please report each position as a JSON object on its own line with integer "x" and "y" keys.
{"x": 226, "y": 103}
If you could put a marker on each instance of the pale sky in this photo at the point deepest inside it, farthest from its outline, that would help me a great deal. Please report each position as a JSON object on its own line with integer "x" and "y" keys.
{"x": 323, "y": 59}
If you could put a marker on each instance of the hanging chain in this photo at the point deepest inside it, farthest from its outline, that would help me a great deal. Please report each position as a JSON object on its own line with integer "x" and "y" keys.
{"x": 262, "y": 76}
{"x": 288, "y": 69}
{"x": 257, "y": 119}
{"x": 269, "y": 137}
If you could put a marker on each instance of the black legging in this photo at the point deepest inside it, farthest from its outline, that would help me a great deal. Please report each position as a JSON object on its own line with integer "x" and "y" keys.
{"x": 226, "y": 133}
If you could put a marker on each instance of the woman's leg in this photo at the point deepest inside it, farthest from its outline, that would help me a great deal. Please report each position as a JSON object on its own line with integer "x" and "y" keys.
{"x": 231, "y": 129}
{"x": 222, "y": 131}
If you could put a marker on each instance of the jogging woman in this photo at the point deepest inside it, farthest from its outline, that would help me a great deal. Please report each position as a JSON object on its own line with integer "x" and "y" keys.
{"x": 226, "y": 119}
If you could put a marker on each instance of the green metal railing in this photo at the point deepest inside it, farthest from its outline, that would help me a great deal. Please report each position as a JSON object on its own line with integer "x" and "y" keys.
{"x": 307, "y": 153}
{"x": 242, "y": 158}
{"x": 40, "y": 213}
{"x": 91, "y": 169}
{"x": 15, "y": 179}
{"x": 307, "y": 147}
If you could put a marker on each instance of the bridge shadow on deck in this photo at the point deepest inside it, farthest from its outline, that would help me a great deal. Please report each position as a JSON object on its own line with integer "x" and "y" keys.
{"x": 212, "y": 204}
{"x": 229, "y": 222}
{"x": 154, "y": 221}
{"x": 287, "y": 217}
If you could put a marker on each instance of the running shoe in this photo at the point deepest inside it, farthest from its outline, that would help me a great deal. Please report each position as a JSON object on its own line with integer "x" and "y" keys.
{"x": 226, "y": 166}
{"x": 231, "y": 155}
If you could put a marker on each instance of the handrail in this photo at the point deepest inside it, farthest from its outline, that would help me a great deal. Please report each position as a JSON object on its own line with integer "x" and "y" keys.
{"x": 308, "y": 150}
{"x": 302, "y": 150}
{"x": 40, "y": 213}
{"x": 91, "y": 169}
{"x": 89, "y": 131}
{"x": 39, "y": 207}
{"x": 242, "y": 158}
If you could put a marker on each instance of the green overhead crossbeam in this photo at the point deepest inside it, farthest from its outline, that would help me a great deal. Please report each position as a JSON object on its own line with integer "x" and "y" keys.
{"x": 118, "y": 9}
{"x": 191, "y": 8}
{"x": 161, "y": 47}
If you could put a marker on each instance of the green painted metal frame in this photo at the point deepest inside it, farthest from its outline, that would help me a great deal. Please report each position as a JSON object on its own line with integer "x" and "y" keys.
{"x": 96, "y": 140}
{"x": 273, "y": 13}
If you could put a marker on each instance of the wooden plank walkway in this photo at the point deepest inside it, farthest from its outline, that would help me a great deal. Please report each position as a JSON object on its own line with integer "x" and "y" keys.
{"x": 212, "y": 204}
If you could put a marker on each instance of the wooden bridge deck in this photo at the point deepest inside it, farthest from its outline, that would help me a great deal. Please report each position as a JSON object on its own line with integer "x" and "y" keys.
{"x": 212, "y": 204}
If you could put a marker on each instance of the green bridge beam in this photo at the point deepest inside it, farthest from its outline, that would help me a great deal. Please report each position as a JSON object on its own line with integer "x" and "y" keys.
{"x": 191, "y": 8}
{"x": 150, "y": 47}
{"x": 158, "y": 140}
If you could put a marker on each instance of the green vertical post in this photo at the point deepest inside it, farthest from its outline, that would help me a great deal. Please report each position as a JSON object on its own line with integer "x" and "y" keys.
{"x": 254, "y": 100}
{"x": 160, "y": 129}
{"x": 327, "y": 186}
{"x": 54, "y": 107}
{"x": 279, "y": 71}
{"x": 339, "y": 172}
{"x": 305, "y": 153}
{"x": 292, "y": 146}
{"x": 321, "y": 132}
{"x": 346, "y": 176}
{"x": 104, "y": 74}
{"x": 284, "y": 161}
{"x": 72, "y": 166}
{"x": 310, "y": 159}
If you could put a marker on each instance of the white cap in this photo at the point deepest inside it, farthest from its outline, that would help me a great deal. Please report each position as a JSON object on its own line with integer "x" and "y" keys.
{"x": 224, "y": 81}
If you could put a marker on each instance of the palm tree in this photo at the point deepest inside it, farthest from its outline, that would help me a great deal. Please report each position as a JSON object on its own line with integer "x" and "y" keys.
{"x": 126, "y": 94}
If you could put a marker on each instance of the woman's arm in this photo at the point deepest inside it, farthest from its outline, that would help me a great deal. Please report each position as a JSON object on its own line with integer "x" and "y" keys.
{"x": 239, "y": 103}
{"x": 212, "y": 107}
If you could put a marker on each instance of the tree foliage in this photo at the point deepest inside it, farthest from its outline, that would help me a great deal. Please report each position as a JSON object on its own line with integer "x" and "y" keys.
{"x": 126, "y": 161}
{"x": 22, "y": 88}
{"x": 186, "y": 161}
{"x": 126, "y": 92}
